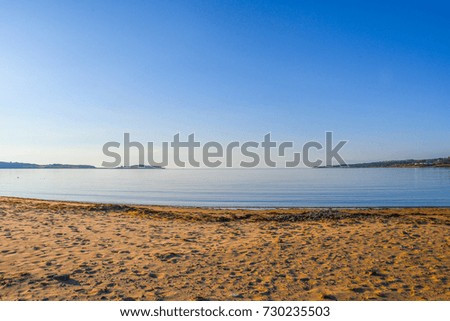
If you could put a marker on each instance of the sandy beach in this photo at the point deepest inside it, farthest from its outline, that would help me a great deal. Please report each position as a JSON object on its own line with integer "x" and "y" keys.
{"x": 53, "y": 250}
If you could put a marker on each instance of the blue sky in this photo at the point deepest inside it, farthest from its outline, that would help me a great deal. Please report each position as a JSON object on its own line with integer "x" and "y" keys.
{"x": 76, "y": 74}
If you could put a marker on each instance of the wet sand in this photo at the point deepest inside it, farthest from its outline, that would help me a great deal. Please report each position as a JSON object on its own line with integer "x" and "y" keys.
{"x": 80, "y": 251}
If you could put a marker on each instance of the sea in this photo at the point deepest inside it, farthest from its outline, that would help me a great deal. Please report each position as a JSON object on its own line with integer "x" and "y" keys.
{"x": 236, "y": 188}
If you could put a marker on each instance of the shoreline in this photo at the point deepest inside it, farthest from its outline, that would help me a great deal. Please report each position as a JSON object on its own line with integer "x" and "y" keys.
{"x": 56, "y": 250}
{"x": 249, "y": 213}
{"x": 249, "y": 208}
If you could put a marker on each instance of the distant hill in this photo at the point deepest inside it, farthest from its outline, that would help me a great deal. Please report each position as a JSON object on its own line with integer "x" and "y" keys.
{"x": 432, "y": 162}
{"x": 16, "y": 165}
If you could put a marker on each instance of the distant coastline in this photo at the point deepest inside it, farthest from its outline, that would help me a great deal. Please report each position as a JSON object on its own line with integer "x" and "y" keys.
{"x": 17, "y": 165}
{"x": 406, "y": 163}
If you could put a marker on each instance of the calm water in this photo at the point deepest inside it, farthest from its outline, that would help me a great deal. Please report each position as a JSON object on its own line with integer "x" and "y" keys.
{"x": 236, "y": 187}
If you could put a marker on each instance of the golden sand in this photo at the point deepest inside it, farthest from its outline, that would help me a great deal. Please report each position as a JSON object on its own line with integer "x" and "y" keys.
{"x": 80, "y": 251}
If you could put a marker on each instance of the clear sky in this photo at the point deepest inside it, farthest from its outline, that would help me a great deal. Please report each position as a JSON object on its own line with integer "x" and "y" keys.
{"x": 76, "y": 74}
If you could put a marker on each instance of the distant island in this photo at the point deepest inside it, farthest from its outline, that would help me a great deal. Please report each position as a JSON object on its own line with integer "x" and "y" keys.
{"x": 407, "y": 163}
{"x": 17, "y": 165}
{"x": 140, "y": 167}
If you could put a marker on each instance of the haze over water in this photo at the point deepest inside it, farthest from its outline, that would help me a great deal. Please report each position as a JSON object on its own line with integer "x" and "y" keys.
{"x": 381, "y": 187}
